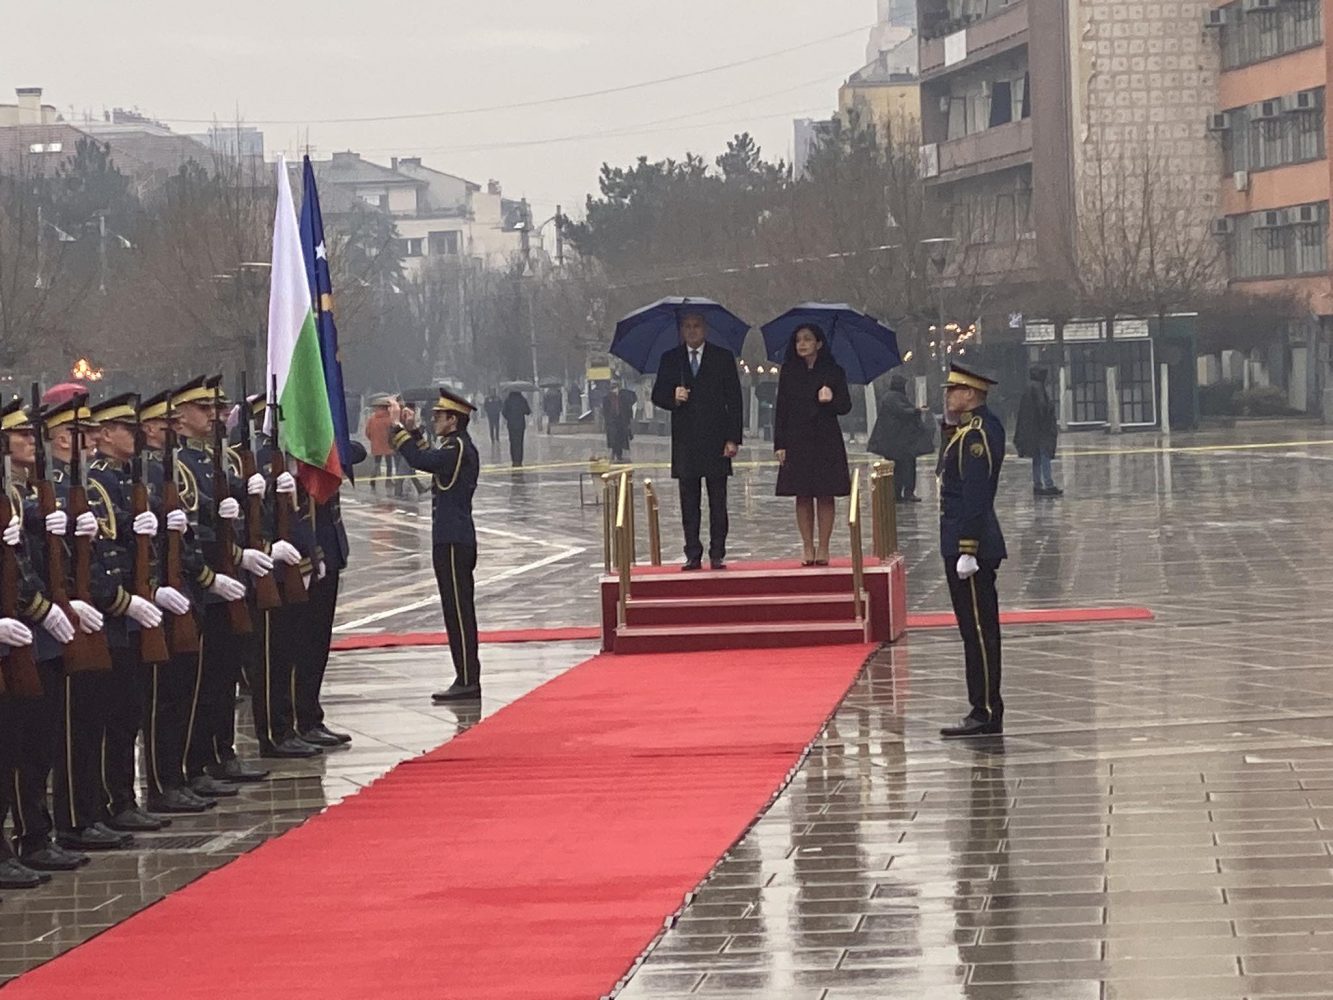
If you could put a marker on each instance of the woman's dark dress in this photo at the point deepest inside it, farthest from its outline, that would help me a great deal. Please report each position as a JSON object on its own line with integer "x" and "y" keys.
{"x": 816, "y": 463}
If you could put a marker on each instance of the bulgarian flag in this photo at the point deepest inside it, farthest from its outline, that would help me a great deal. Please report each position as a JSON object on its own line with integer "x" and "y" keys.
{"x": 295, "y": 366}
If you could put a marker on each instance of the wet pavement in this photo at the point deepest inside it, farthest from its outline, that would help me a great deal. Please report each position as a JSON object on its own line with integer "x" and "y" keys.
{"x": 1156, "y": 825}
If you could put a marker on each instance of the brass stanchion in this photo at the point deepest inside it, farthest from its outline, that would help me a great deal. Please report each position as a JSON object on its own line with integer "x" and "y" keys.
{"x": 654, "y": 523}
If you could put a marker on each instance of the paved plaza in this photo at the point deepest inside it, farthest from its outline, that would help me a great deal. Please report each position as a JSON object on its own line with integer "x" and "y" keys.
{"x": 1157, "y": 824}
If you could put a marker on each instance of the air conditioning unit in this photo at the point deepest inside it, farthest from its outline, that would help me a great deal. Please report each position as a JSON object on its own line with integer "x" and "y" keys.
{"x": 944, "y": 104}
{"x": 1265, "y": 110}
{"x": 1219, "y": 121}
{"x": 1241, "y": 178}
{"x": 1275, "y": 219}
{"x": 986, "y": 87}
{"x": 1259, "y": 5}
{"x": 1224, "y": 226}
{"x": 1303, "y": 215}
{"x": 1216, "y": 17}
{"x": 1303, "y": 100}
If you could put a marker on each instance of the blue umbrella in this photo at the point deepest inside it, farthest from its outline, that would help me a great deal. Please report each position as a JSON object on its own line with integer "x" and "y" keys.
{"x": 645, "y": 335}
{"x": 861, "y": 344}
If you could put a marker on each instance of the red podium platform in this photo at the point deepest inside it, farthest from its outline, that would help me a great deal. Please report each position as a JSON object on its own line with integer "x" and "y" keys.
{"x": 769, "y": 605}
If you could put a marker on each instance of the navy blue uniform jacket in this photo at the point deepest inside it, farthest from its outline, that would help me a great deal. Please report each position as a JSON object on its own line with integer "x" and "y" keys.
{"x": 969, "y": 473}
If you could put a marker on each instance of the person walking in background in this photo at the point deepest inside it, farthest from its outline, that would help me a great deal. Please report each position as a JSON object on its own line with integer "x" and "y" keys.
{"x": 618, "y": 418}
{"x": 377, "y": 433}
{"x": 553, "y": 406}
{"x": 807, "y": 438}
{"x": 516, "y": 412}
{"x": 1037, "y": 433}
{"x": 900, "y": 437}
{"x": 575, "y": 400}
{"x": 493, "y": 406}
{"x": 699, "y": 384}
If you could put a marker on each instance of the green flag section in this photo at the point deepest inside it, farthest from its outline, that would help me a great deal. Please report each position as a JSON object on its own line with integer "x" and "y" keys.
{"x": 295, "y": 366}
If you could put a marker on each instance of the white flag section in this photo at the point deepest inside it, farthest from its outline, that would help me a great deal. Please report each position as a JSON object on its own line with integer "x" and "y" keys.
{"x": 294, "y": 361}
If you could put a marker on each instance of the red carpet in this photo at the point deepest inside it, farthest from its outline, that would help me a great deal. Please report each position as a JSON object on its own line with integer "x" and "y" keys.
{"x": 534, "y": 856}
{"x": 925, "y": 620}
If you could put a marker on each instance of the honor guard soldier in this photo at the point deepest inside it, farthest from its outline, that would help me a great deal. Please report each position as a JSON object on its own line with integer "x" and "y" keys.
{"x": 454, "y": 466}
{"x": 971, "y": 541}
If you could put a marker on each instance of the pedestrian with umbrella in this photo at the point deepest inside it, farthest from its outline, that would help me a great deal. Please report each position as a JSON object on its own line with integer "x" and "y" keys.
{"x": 516, "y": 412}
{"x": 821, "y": 348}
{"x": 692, "y": 345}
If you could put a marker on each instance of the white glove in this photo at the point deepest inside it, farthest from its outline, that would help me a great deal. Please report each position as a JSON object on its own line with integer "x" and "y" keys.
{"x": 256, "y": 485}
{"x": 255, "y": 562}
{"x": 177, "y": 521}
{"x": 57, "y": 625}
{"x": 146, "y": 523}
{"x": 90, "y": 619}
{"x": 13, "y": 533}
{"x": 171, "y": 599}
{"x": 306, "y": 578}
{"x": 229, "y": 509}
{"x": 967, "y": 567}
{"x": 14, "y": 633}
{"x": 227, "y": 588}
{"x": 285, "y": 483}
{"x": 285, "y": 552}
{"x": 57, "y": 523}
{"x": 323, "y": 570}
{"x": 85, "y": 525}
{"x": 144, "y": 613}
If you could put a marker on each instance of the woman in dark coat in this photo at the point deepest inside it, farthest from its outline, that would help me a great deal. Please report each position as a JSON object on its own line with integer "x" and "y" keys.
{"x": 807, "y": 439}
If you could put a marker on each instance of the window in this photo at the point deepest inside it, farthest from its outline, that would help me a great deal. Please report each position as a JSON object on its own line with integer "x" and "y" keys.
{"x": 1293, "y": 136}
{"x": 1134, "y": 380}
{"x": 444, "y": 243}
{"x": 1087, "y": 382}
{"x": 1001, "y": 103}
{"x": 1252, "y": 36}
{"x": 1289, "y": 242}
{"x": 413, "y": 246}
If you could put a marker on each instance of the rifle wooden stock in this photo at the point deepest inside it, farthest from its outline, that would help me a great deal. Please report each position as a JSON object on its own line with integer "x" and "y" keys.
{"x": 152, "y": 641}
{"x": 19, "y": 669}
{"x": 182, "y": 632}
{"x": 266, "y": 587}
{"x": 293, "y": 587}
{"x": 84, "y": 651}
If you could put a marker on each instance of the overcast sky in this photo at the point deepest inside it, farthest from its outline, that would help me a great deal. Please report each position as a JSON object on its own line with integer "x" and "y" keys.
{"x": 285, "y": 65}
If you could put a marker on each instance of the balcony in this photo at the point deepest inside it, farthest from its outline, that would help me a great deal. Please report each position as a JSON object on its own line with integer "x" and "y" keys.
{"x": 994, "y": 149}
{"x": 980, "y": 40}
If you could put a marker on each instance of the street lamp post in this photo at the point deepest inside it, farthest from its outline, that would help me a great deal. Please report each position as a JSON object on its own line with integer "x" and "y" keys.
{"x": 938, "y": 247}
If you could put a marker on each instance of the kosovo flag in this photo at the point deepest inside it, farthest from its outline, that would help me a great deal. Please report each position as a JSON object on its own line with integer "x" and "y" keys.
{"x": 321, "y": 298}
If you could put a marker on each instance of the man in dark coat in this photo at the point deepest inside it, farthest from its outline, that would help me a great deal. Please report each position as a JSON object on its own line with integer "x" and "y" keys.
{"x": 900, "y": 437}
{"x": 972, "y": 543}
{"x": 516, "y": 412}
{"x": 618, "y": 417}
{"x": 1037, "y": 432}
{"x": 493, "y": 406}
{"x": 699, "y": 384}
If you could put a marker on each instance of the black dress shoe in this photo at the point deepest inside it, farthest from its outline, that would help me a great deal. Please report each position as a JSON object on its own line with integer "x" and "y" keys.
{"x": 131, "y": 820}
{"x": 161, "y": 820}
{"x": 717, "y": 563}
{"x": 14, "y": 875}
{"x": 209, "y": 787}
{"x": 692, "y": 564}
{"x": 52, "y": 858}
{"x": 237, "y": 770}
{"x": 291, "y": 748}
{"x": 90, "y": 838}
{"x": 328, "y": 733}
{"x": 317, "y": 739}
{"x": 912, "y": 499}
{"x": 457, "y": 692}
{"x": 176, "y": 800}
{"x": 125, "y": 838}
{"x": 973, "y": 727}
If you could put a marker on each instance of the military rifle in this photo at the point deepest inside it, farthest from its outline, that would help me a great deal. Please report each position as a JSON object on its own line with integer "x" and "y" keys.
{"x": 266, "y": 587}
{"x": 238, "y": 613}
{"x": 152, "y": 641}
{"x": 293, "y": 587}
{"x": 19, "y": 669}
{"x": 182, "y": 631}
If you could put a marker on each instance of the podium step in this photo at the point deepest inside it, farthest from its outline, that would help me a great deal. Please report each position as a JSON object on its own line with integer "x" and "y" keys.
{"x": 741, "y": 609}
{"x": 740, "y": 582}
{"x": 697, "y": 638}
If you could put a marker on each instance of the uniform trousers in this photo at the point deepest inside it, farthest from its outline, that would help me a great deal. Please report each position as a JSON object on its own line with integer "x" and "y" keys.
{"x": 80, "y": 786}
{"x": 213, "y": 737}
{"x": 312, "y": 654}
{"x": 454, "y": 566}
{"x": 125, "y": 710}
{"x": 11, "y": 713}
{"x": 977, "y": 608}
{"x": 691, "y": 514}
{"x": 279, "y": 636}
{"x": 169, "y": 709}
{"x": 40, "y": 741}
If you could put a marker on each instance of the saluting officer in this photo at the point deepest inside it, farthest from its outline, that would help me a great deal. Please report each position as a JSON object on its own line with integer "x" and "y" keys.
{"x": 454, "y": 466}
{"x": 971, "y": 541}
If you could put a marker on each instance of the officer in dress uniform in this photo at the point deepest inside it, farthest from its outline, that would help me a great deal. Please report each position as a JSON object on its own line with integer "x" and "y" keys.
{"x": 454, "y": 466}
{"x": 971, "y": 541}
